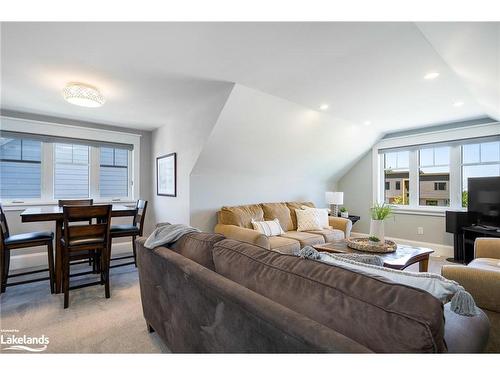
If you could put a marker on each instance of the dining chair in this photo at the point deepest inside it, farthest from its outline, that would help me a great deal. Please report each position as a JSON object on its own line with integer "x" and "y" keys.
{"x": 19, "y": 241}
{"x": 79, "y": 239}
{"x": 78, "y": 202}
{"x": 132, "y": 230}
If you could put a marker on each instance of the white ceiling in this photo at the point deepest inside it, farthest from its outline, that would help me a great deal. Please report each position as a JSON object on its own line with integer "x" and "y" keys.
{"x": 149, "y": 72}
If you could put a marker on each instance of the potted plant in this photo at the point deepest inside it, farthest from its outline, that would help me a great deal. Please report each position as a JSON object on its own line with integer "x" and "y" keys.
{"x": 373, "y": 241}
{"x": 344, "y": 213}
{"x": 379, "y": 212}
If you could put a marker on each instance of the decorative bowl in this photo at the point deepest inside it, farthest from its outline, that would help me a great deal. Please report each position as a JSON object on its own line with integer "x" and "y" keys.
{"x": 364, "y": 244}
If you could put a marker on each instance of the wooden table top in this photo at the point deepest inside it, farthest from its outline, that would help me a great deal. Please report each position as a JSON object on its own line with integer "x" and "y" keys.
{"x": 51, "y": 213}
{"x": 399, "y": 259}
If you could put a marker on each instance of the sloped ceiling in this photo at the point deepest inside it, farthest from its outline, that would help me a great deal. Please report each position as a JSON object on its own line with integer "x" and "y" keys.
{"x": 364, "y": 71}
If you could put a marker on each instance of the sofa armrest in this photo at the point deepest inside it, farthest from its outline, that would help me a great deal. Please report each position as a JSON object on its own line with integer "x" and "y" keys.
{"x": 487, "y": 248}
{"x": 345, "y": 225}
{"x": 483, "y": 285}
{"x": 243, "y": 234}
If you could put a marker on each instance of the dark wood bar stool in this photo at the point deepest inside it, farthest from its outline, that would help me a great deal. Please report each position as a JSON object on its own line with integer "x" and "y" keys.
{"x": 18, "y": 241}
{"x": 78, "y": 202}
{"x": 79, "y": 239}
{"x": 132, "y": 230}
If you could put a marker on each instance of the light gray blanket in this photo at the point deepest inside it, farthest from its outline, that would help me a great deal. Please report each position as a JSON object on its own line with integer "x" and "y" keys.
{"x": 166, "y": 233}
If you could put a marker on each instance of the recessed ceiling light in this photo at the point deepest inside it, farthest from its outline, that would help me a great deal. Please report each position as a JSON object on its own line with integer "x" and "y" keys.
{"x": 458, "y": 104}
{"x": 367, "y": 123}
{"x": 83, "y": 95}
{"x": 323, "y": 107}
{"x": 432, "y": 75}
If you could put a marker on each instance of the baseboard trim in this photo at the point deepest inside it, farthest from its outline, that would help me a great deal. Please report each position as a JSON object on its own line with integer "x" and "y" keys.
{"x": 23, "y": 261}
{"x": 439, "y": 249}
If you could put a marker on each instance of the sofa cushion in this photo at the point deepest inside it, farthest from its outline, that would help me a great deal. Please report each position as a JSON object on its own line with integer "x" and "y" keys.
{"x": 376, "y": 313}
{"x": 198, "y": 247}
{"x": 304, "y": 238}
{"x": 329, "y": 235}
{"x": 278, "y": 211}
{"x": 241, "y": 216}
{"x": 485, "y": 264}
{"x": 297, "y": 206}
{"x": 284, "y": 245}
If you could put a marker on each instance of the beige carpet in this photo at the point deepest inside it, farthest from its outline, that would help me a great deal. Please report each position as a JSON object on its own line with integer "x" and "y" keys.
{"x": 91, "y": 324}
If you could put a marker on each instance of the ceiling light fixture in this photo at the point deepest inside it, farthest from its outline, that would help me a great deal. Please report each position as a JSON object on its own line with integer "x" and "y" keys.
{"x": 458, "y": 104}
{"x": 83, "y": 95}
{"x": 431, "y": 76}
{"x": 323, "y": 107}
{"x": 367, "y": 123}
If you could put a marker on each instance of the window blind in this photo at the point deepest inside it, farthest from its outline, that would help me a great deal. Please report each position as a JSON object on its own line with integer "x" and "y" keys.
{"x": 66, "y": 140}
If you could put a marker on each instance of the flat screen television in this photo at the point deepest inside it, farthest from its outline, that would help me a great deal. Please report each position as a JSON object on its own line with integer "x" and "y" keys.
{"x": 484, "y": 200}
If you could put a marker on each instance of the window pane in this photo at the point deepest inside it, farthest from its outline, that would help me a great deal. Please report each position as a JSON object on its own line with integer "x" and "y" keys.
{"x": 391, "y": 159}
{"x": 20, "y": 179}
{"x": 71, "y": 171}
{"x": 63, "y": 153}
{"x": 441, "y": 155}
{"x": 113, "y": 173}
{"x": 396, "y": 178}
{"x": 470, "y": 154}
{"x": 106, "y": 156}
{"x": 113, "y": 182}
{"x": 490, "y": 152}
{"x": 121, "y": 157}
{"x": 426, "y": 157}
{"x": 10, "y": 149}
{"x": 434, "y": 177}
{"x": 32, "y": 150}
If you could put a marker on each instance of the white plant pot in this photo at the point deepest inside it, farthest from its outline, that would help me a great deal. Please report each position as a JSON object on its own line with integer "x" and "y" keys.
{"x": 345, "y": 215}
{"x": 377, "y": 229}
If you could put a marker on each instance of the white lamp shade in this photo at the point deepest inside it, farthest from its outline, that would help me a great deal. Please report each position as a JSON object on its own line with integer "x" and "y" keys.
{"x": 334, "y": 197}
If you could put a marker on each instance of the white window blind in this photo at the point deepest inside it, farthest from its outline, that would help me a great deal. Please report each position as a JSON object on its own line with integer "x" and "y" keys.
{"x": 71, "y": 171}
{"x": 20, "y": 168}
{"x": 113, "y": 172}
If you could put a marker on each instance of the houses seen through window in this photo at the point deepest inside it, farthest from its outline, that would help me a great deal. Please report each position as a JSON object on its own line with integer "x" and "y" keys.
{"x": 434, "y": 173}
{"x": 397, "y": 173}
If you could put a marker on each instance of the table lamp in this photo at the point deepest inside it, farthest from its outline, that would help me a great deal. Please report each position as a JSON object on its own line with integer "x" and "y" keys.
{"x": 334, "y": 198}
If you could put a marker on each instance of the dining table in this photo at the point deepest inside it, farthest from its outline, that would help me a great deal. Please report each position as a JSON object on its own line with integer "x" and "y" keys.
{"x": 55, "y": 213}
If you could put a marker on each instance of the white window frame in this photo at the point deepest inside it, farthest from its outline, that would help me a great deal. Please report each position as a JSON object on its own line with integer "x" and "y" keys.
{"x": 77, "y": 132}
{"x": 413, "y": 143}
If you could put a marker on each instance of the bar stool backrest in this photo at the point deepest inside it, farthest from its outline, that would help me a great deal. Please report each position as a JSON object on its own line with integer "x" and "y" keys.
{"x": 75, "y": 234}
{"x": 140, "y": 214}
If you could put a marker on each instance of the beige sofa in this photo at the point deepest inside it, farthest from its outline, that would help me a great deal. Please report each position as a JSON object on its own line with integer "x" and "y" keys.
{"x": 236, "y": 223}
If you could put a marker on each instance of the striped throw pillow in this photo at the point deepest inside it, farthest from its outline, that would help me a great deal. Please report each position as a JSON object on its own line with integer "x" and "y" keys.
{"x": 269, "y": 228}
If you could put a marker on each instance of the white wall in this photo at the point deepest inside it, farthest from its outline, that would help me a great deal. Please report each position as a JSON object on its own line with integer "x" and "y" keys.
{"x": 186, "y": 135}
{"x": 264, "y": 148}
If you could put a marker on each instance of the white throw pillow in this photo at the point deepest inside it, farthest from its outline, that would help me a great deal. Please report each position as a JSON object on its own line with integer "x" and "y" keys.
{"x": 269, "y": 228}
{"x": 308, "y": 220}
{"x": 322, "y": 214}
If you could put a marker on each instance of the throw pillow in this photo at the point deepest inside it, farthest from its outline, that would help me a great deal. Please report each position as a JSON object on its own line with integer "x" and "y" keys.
{"x": 322, "y": 214}
{"x": 308, "y": 220}
{"x": 269, "y": 228}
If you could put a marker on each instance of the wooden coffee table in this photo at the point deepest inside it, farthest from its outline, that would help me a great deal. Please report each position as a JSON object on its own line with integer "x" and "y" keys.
{"x": 403, "y": 257}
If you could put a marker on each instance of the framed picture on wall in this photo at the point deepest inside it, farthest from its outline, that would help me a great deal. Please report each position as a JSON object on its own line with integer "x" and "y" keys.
{"x": 166, "y": 175}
